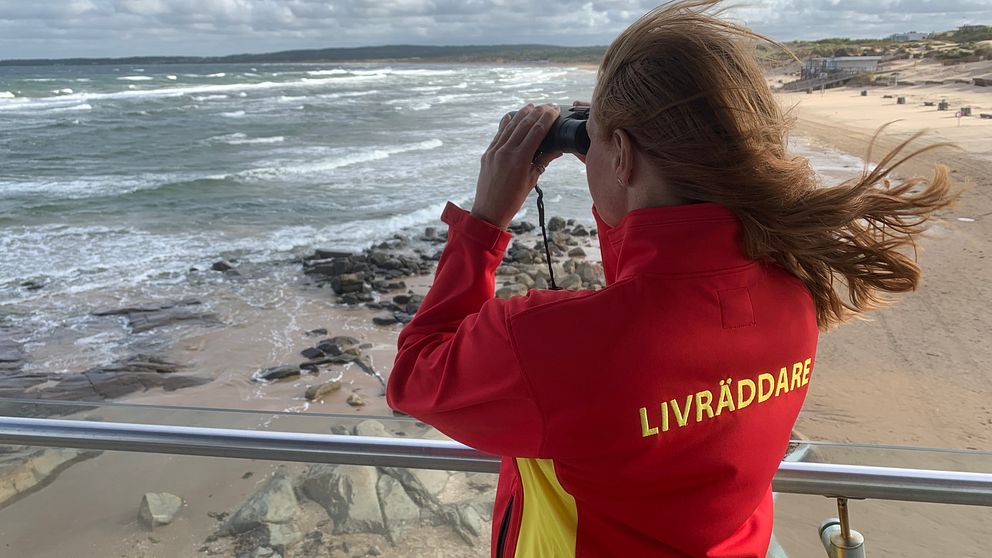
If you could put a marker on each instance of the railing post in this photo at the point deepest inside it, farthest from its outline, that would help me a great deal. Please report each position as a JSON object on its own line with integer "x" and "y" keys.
{"x": 839, "y": 540}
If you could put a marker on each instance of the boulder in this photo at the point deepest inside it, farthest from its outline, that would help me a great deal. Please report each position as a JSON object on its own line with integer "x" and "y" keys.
{"x": 273, "y": 504}
{"x": 324, "y": 254}
{"x": 222, "y": 265}
{"x": 400, "y": 513}
{"x": 311, "y": 353}
{"x": 355, "y": 400}
{"x": 276, "y": 373}
{"x": 590, "y": 272}
{"x": 570, "y": 282}
{"x": 576, "y": 253}
{"x": 518, "y": 227}
{"x": 349, "y": 495}
{"x": 348, "y": 283}
{"x": 384, "y": 320}
{"x": 159, "y": 508}
{"x": 281, "y": 535}
{"x": 525, "y": 280}
{"x": 556, "y": 224}
{"x": 483, "y": 482}
{"x": 579, "y": 230}
{"x": 319, "y": 391}
{"x": 371, "y": 428}
{"x": 515, "y": 289}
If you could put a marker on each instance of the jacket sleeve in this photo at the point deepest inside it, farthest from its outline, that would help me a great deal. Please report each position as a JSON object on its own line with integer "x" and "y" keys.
{"x": 456, "y": 368}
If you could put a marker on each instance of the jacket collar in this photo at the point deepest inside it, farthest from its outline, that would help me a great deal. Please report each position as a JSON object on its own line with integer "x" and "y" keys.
{"x": 672, "y": 240}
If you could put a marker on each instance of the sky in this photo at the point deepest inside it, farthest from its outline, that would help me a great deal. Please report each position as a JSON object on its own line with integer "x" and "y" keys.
{"x": 113, "y": 28}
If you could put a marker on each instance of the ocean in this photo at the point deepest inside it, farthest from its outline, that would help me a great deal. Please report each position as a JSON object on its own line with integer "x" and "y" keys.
{"x": 116, "y": 181}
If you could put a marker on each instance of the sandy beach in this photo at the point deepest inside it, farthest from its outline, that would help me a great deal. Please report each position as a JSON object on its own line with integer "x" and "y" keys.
{"x": 917, "y": 373}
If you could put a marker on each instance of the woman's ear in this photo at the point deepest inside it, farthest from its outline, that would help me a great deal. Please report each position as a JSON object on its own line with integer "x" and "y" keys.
{"x": 623, "y": 156}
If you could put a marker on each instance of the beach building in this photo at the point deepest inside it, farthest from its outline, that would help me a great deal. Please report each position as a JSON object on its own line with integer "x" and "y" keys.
{"x": 909, "y": 36}
{"x": 816, "y": 66}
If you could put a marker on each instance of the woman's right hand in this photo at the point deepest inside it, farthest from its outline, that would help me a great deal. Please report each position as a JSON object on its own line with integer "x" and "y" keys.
{"x": 580, "y": 156}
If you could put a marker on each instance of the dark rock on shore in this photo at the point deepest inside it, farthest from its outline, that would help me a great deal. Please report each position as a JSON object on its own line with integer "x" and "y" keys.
{"x": 12, "y": 355}
{"x": 222, "y": 265}
{"x": 276, "y": 373}
{"x": 120, "y": 378}
{"x": 311, "y": 353}
{"x": 146, "y": 318}
{"x": 378, "y": 268}
{"x": 520, "y": 227}
{"x": 318, "y": 391}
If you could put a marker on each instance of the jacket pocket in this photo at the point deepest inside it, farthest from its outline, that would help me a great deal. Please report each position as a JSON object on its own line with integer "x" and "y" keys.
{"x": 504, "y": 529}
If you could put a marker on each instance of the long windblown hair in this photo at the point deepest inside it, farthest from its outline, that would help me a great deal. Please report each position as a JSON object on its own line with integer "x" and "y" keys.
{"x": 686, "y": 85}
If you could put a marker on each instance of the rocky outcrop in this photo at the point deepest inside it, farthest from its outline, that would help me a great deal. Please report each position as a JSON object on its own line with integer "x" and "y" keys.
{"x": 123, "y": 377}
{"x": 355, "y": 277}
{"x": 146, "y": 318}
{"x": 359, "y": 501}
{"x": 24, "y": 470}
{"x": 269, "y": 515}
{"x": 349, "y": 495}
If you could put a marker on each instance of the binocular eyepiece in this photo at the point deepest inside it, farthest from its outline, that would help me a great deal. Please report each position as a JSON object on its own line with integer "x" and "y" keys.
{"x": 568, "y": 134}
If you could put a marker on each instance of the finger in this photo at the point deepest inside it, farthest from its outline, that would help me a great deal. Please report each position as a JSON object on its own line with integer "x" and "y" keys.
{"x": 529, "y": 139}
{"x": 502, "y": 124}
{"x": 544, "y": 159}
{"x": 513, "y": 124}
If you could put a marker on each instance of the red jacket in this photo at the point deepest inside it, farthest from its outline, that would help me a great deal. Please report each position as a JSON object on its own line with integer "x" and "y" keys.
{"x": 645, "y": 419}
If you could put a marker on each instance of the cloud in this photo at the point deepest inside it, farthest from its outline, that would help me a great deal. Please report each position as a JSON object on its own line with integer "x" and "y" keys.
{"x": 60, "y": 28}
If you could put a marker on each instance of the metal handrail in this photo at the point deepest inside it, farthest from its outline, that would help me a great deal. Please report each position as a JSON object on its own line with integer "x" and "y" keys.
{"x": 831, "y": 480}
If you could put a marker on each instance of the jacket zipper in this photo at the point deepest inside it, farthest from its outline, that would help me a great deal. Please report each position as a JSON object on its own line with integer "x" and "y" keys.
{"x": 504, "y": 528}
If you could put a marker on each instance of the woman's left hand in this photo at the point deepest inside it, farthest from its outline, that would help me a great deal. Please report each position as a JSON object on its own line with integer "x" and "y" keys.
{"x": 509, "y": 170}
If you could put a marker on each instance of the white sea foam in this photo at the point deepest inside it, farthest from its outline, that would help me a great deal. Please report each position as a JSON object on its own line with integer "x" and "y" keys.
{"x": 63, "y": 91}
{"x": 366, "y": 155}
{"x": 81, "y": 106}
{"x": 424, "y": 72}
{"x": 239, "y": 138}
{"x": 167, "y": 92}
{"x": 348, "y": 94}
{"x": 85, "y": 186}
{"x": 172, "y": 77}
{"x": 135, "y": 78}
{"x": 217, "y": 75}
{"x": 234, "y": 114}
{"x": 6, "y": 95}
{"x": 334, "y": 72}
{"x": 200, "y": 98}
